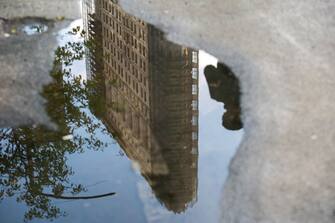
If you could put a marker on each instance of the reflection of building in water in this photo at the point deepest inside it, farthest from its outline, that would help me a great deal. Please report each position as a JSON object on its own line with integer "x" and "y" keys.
{"x": 93, "y": 27}
{"x": 94, "y": 55}
{"x": 152, "y": 104}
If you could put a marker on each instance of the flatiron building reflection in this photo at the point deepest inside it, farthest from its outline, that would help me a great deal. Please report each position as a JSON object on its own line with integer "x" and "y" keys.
{"x": 151, "y": 99}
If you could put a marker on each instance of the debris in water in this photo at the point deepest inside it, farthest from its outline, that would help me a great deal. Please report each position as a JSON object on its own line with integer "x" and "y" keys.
{"x": 67, "y": 137}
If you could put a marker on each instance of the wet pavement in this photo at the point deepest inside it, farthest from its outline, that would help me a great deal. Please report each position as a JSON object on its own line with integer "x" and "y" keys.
{"x": 139, "y": 138}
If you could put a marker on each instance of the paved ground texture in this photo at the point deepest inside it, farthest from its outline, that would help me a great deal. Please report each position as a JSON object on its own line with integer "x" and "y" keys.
{"x": 283, "y": 53}
{"x": 25, "y": 60}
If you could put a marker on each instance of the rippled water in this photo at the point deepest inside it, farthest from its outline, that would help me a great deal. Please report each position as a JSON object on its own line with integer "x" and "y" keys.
{"x": 139, "y": 139}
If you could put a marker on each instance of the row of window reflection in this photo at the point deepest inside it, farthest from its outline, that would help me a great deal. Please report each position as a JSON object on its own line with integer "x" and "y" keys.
{"x": 129, "y": 38}
{"x": 126, "y": 80}
{"x": 131, "y": 120}
{"x": 140, "y": 129}
{"x": 195, "y": 73}
{"x": 134, "y": 55}
{"x": 127, "y": 94}
{"x": 194, "y": 57}
{"x": 116, "y": 68}
{"x": 130, "y": 81}
{"x": 129, "y": 63}
{"x": 129, "y": 116}
{"x": 119, "y": 20}
{"x": 194, "y": 89}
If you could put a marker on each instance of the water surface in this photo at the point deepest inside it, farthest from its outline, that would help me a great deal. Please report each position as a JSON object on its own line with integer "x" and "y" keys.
{"x": 139, "y": 137}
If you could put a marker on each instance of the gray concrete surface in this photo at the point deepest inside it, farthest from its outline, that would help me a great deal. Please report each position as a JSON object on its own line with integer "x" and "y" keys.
{"x": 26, "y": 60}
{"x": 50, "y": 9}
{"x": 283, "y": 53}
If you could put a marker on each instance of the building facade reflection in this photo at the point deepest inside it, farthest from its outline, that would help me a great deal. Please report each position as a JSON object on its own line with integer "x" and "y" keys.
{"x": 151, "y": 99}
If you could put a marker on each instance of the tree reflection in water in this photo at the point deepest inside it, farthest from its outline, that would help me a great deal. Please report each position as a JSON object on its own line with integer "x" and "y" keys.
{"x": 33, "y": 160}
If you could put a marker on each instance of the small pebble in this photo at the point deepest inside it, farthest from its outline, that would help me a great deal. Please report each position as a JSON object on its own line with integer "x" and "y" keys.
{"x": 60, "y": 18}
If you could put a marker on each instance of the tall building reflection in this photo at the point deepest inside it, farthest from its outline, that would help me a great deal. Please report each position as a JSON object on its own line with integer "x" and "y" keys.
{"x": 151, "y": 99}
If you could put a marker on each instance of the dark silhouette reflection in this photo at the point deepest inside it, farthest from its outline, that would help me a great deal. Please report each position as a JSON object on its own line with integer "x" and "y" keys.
{"x": 224, "y": 87}
{"x": 151, "y": 94}
{"x": 33, "y": 160}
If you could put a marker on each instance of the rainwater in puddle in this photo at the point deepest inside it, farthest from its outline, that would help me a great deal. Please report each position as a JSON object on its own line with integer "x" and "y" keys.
{"x": 141, "y": 132}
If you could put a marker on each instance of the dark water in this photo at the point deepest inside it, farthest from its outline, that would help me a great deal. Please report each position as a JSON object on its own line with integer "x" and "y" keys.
{"x": 139, "y": 139}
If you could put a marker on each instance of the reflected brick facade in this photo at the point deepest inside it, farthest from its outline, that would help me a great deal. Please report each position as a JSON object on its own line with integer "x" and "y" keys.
{"x": 152, "y": 103}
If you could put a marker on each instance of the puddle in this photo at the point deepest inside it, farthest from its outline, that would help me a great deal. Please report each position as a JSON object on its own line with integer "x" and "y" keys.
{"x": 139, "y": 138}
{"x": 25, "y": 26}
{"x": 34, "y": 29}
